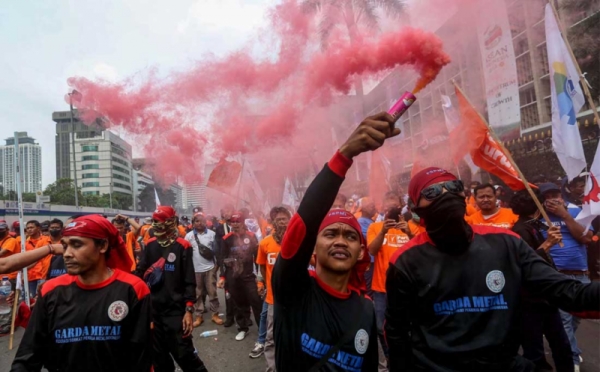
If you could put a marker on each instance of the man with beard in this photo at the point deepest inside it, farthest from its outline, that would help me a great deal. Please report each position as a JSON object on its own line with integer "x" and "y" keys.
{"x": 454, "y": 291}
{"x": 167, "y": 266}
{"x": 97, "y": 318}
{"x": 268, "y": 250}
{"x": 129, "y": 237}
{"x": 237, "y": 274}
{"x": 322, "y": 319}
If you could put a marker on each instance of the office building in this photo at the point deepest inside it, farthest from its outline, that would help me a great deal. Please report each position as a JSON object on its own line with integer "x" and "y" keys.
{"x": 30, "y": 154}
{"x": 103, "y": 164}
{"x": 194, "y": 195}
{"x": 424, "y": 120}
{"x": 64, "y": 130}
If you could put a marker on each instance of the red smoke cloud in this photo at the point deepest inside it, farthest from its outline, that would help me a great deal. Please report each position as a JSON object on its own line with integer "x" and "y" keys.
{"x": 242, "y": 104}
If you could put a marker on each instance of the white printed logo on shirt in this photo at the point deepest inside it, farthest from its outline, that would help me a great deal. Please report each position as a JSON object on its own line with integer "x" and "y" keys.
{"x": 361, "y": 341}
{"x": 495, "y": 281}
{"x": 172, "y": 257}
{"x": 117, "y": 311}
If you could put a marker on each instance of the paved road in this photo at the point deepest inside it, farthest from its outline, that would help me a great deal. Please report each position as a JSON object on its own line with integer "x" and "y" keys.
{"x": 224, "y": 354}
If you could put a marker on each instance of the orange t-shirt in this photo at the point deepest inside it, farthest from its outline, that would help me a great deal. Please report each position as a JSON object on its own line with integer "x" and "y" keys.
{"x": 10, "y": 244}
{"x": 35, "y": 273}
{"x": 182, "y": 232}
{"x": 143, "y": 230}
{"x": 393, "y": 240}
{"x": 44, "y": 262}
{"x": 268, "y": 250}
{"x": 415, "y": 228}
{"x": 504, "y": 218}
{"x": 132, "y": 244}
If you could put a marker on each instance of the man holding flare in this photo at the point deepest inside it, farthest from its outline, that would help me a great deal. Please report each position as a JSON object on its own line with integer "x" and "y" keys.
{"x": 322, "y": 319}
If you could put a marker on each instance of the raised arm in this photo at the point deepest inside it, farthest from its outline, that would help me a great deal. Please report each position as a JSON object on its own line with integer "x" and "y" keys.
{"x": 290, "y": 275}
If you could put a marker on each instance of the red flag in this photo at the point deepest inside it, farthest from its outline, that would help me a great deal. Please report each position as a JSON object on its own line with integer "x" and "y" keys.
{"x": 472, "y": 136}
{"x": 225, "y": 175}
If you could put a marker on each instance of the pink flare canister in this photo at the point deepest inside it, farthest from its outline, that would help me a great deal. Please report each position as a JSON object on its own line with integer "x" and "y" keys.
{"x": 402, "y": 105}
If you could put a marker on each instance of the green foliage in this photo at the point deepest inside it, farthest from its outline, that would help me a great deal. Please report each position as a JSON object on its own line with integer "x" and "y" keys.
{"x": 62, "y": 192}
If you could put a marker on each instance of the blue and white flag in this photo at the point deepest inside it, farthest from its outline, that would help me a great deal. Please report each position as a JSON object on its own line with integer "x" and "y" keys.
{"x": 567, "y": 99}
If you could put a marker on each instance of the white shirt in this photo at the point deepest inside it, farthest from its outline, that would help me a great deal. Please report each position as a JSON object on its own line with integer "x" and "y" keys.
{"x": 206, "y": 238}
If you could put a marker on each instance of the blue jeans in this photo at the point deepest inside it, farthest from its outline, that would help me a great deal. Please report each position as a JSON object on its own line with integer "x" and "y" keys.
{"x": 571, "y": 322}
{"x": 262, "y": 327}
{"x": 379, "y": 301}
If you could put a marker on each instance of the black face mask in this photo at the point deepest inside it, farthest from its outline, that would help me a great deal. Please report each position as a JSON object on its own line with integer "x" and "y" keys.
{"x": 445, "y": 222}
{"x": 55, "y": 233}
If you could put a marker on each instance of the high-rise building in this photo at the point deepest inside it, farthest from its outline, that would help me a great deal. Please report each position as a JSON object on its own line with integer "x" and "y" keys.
{"x": 141, "y": 179}
{"x": 103, "y": 164}
{"x": 64, "y": 130}
{"x": 178, "y": 191}
{"x": 30, "y": 154}
{"x": 195, "y": 195}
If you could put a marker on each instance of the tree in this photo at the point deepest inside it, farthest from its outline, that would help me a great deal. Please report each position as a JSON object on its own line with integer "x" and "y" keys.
{"x": 62, "y": 192}
{"x": 351, "y": 14}
{"x": 29, "y": 197}
{"x": 147, "y": 203}
{"x": 121, "y": 201}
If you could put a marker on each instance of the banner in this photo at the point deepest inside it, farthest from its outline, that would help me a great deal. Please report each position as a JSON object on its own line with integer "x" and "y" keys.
{"x": 567, "y": 100}
{"x": 452, "y": 118}
{"x": 224, "y": 176}
{"x": 486, "y": 153}
{"x": 499, "y": 69}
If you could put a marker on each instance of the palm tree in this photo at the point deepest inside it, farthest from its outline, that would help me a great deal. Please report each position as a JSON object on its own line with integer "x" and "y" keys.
{"x": 351, "y": 14}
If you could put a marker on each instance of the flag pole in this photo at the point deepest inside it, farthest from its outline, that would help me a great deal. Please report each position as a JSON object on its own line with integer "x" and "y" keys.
{"x": 586, "y": 89}
{"x": 237, "y": 199}
{"x": 509, "y": 157}
{"x": 14, "y": 318}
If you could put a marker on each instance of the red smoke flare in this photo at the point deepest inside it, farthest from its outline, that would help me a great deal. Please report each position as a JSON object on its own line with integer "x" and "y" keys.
{"x": 241, "y": 104}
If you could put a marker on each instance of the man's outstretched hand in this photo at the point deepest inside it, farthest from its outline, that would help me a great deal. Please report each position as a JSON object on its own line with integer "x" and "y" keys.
{"x": 370, "y": 135}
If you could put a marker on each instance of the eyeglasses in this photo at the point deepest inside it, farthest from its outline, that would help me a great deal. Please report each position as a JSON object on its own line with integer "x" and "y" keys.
{"x": 434, "y": 191}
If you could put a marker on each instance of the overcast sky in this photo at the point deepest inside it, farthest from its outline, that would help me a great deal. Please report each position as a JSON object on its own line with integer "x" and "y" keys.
{"x": 45, "y": 42}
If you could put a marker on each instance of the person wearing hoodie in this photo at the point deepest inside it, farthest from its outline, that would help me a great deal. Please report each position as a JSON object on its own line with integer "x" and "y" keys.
{"x": 454, "y": 291}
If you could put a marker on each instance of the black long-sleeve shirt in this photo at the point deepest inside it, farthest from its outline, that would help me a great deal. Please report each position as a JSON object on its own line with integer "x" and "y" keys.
{"x": 311, "y": 317}
{"x": 458, "y": 312}
{"x": 74, "y": 327}
{"x": 178, "y": 287}
{"x": 238, "y": 254}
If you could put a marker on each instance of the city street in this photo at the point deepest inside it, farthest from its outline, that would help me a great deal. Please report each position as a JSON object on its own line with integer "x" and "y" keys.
{"x": 224, "y": 354}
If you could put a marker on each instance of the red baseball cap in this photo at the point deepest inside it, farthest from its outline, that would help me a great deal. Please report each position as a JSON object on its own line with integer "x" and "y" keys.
{"x": 163, "y": 213}
{"x": 425, "y": 178}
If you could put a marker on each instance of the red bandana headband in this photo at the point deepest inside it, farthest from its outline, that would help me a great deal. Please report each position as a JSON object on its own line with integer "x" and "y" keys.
{"x": 94, "y": 226}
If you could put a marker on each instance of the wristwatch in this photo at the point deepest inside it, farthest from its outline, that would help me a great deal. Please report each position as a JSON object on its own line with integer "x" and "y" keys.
{"x": 189, "y": 309}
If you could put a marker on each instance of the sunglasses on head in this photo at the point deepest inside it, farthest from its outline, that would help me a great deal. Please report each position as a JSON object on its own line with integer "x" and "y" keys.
{"x": 434, "y": 191}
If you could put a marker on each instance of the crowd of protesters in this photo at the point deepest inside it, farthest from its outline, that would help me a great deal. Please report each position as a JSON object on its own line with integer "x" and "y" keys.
{"x": 442, "y": 278}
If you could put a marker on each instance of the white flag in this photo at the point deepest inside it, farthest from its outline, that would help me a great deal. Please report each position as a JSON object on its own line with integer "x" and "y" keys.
{"x": 591, "y": 201}
{"x": 290, "y": 198}
{"x": 156, "y": 199}
{"x": 452, "y": 121}
{"x": 567, "y": 100}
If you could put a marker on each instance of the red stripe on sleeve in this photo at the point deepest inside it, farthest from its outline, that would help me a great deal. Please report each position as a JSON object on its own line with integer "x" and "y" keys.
{"x": 293, "y": 237}
{"x": 339, "y": 164}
